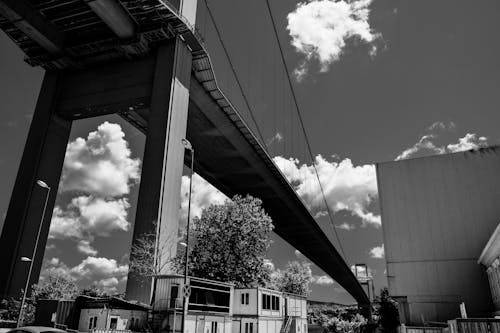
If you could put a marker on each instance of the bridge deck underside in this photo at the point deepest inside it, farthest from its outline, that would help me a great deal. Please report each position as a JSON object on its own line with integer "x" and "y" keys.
{"x": 227, "y": 154}
{"x": 226, "y": 159}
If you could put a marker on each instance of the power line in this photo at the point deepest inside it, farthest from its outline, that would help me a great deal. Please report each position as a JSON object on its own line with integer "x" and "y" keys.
{"x": 303, "y": 128}
{"x": 235, "y": 75}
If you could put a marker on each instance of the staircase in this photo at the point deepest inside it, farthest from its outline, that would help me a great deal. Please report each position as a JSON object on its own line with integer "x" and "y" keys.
{"x": 286, "y": 324}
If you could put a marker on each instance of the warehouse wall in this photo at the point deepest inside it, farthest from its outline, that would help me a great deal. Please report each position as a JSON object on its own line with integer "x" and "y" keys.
{"x": 437, "y": 215}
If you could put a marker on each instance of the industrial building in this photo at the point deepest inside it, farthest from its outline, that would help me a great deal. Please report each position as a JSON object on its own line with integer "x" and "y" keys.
{"x": 438, "y": 213}
{"x": 490, "y": 259}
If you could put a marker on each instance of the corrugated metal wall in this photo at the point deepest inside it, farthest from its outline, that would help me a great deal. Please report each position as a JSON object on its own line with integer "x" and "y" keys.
{"x": 437, "y": 215}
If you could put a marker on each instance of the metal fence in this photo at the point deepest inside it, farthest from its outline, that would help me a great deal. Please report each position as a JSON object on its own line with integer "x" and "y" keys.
{"x": 474, "y": 325}
{"x": 422, "y": 329}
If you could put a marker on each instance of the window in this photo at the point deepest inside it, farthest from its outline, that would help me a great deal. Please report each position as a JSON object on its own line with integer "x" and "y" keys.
{"x": 251, "y": 328}
{"x": 174, "y": 292}
{"x": 269, "y": 302}
{"x": 214, "y": 327}
{"x": 275, "y": 303}
{"x": 92, "y": 322}
{"x": 242, "y": 298}
{"x": 113, "y": 323}
{"x": 248, "y": 327}
{"x": 247, "y": 298}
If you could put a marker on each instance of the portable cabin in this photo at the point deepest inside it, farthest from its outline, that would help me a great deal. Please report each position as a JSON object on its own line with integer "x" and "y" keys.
{"x": 111, "y": 314}
{"x": 258, "y": 310}
{"x": 208, "y": 307}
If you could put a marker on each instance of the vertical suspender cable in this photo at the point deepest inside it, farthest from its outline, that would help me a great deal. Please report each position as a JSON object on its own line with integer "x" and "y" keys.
{"x": 299, "y": 116}
{"x": 235, "y": 75}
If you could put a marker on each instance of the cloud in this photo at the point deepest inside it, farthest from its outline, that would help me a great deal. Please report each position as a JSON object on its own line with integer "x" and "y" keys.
{"x": 378, "y": 252}
{"x": 85, "y": 248}
{"x": 426, "y": 145}
{"x": 278, "y": 137}
{"x": 440, "y": 125}
{"x": 346, "y": 226}
{"x": 203, "y": 195}
{"x": 101, "y": 164}
{"x": 86, "y": 217}
{"x": 320, "y": 30}
{"x": 323, "y": 280}
{"x": 468, "y": 142}
{"x": 105, "y": 273}
{"x": 423, "y": 146}
{"x": 346, "y": 187}
{"x": 269, "y": 264}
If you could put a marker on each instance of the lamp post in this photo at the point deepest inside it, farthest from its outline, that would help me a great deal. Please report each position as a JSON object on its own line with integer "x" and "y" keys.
{"x": 42, "y": 184}
{"x": 187, "y": 145}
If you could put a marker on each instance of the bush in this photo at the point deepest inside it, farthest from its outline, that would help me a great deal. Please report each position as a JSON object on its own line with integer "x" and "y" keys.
{"x": 388, "y": 312}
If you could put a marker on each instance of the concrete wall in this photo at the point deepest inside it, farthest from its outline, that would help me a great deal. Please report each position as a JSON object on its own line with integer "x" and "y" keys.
{"x": 437, "y": 214}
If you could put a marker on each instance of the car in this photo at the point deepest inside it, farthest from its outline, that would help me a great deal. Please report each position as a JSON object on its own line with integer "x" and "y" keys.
{"x": 36, "y": 329}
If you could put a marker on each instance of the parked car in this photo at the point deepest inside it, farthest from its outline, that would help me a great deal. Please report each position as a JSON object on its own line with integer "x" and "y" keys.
{"x": 36, "y": 329}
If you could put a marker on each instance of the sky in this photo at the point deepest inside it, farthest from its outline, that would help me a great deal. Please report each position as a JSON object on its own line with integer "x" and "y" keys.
{"x": 376, "y": 80}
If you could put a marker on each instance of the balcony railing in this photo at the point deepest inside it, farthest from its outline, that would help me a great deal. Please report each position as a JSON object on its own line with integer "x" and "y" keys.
{"x": 168, "y": 303}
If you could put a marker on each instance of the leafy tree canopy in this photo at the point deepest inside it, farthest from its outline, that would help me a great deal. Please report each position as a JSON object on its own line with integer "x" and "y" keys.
{"x": 294, "y": 279}
{"x": 230, "y": 242}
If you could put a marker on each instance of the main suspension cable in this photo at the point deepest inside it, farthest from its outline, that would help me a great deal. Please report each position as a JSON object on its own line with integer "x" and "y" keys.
{"x": 235, "y": 74}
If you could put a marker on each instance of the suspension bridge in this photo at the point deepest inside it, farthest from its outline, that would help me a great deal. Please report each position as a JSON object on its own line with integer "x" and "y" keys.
{"x": 168, "y": 69}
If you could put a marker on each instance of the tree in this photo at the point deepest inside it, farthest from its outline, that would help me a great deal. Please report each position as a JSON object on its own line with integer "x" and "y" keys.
{"x": 56, "y": 286}
{"x": 230, "y": 242}
{"x": 142, "y": 255}
{"x": 388, "y": 311}
{"x": 295, "y": 279}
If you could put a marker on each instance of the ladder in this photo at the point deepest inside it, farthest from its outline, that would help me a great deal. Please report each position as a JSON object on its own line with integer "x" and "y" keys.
{"x": 286, "y": 325}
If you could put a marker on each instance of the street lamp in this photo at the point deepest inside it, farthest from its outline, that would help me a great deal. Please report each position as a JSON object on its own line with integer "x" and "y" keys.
{"x": 43, "y": 185}
{"x": 187, "y": 145}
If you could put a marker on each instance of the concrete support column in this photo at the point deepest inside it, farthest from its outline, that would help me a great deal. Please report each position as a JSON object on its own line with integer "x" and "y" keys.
{"x": 42, "y": 159}
{"x": 159, "y": 192}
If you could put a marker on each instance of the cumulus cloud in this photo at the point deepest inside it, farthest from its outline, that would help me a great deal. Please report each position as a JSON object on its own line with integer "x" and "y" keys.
{"x": 377, "y": 252}
{"x": 203, "y": 195}
{"x": 320, "y": 30}
{"x": 346, "y": 187}
{"x": 427, "y": 146}
{"x": 323, "y": 280}
{"x": 442, "y": 125}
{"x": 105, "y": 273}
{"x": 468, "y": 142}
{"x": 85, "y": 247}
{"x": 100, "y": 165}
{"x": 424, "y": 146}
{"x": 99, "y": 172}
{"x": 86, "y": 217}
{"x": 346, "y": 226}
